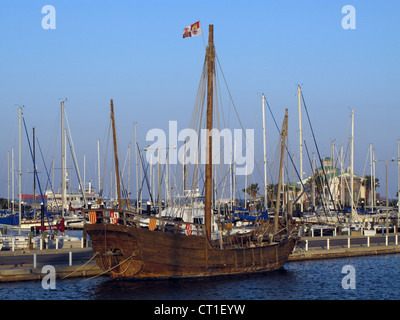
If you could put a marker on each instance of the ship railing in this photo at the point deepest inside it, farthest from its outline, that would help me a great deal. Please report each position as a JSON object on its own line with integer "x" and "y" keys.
{"x": 151, "y": 222}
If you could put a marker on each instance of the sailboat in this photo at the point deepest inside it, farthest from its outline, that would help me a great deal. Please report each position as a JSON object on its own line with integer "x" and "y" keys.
{"x": 168, "y": 248}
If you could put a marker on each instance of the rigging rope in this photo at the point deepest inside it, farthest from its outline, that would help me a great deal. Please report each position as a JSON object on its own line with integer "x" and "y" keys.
{"x": 48, "y": 175}
{"x": 110, "y": 269}
{"x": 37, "y": 178}
{"x": 237, "y": 114}
{"x": 72, "y": 149}
{"x": 68, "y": 275}
{"x": 291, "y": 159}
{"x": 319, "y": 155}
{"x": 105, "y": 162}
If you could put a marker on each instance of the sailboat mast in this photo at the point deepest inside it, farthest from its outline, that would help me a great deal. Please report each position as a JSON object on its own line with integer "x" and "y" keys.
{"x": 19, "y": 172}
{"x": 115, "y": 156}
{"x": 98, "y": 167}
{"x": 371, "y": 202}
{"x": 398, "y": 182}
{"x": 208, "y": 187}
{"x": 265, "y": 153}
{"x": 136, "y": 166}
{"x": 352, "y": 165}
{"x": 34, "y": 168}
{"x": 63, "y": 195}
{"x": 278, "y": 195}
{"x": 12, "y": 182}
{"x": 8, "y": 180}
{"x": 301, "y": 148}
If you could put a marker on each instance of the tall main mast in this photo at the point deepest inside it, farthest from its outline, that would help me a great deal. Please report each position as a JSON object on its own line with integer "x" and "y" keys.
{"x": 208, "y": 188}
{"x": 116, "y": 156}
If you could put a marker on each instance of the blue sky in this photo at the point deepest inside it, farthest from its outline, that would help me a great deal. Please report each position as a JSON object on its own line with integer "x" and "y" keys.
{"x": 133, "y": 52}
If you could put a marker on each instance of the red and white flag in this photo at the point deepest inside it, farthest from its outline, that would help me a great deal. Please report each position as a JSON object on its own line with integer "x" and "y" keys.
{"x": 114, "y": 216}
{"x": 192, "y": 30}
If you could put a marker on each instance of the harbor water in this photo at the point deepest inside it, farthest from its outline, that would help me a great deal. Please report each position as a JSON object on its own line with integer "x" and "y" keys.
{"x": 360, "y": 278}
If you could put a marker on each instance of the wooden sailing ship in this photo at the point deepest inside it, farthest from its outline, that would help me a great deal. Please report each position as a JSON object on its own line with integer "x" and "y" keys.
{"x": 125, "y": 247}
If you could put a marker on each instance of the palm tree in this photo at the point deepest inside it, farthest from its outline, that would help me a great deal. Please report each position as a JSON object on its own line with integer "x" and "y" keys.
{"x": 367, "y": 184}
{"x": 252, "y": 190}
{"x": 318, "y": 179}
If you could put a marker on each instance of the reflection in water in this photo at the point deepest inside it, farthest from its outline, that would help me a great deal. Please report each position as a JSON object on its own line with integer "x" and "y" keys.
{"x": 376, "y": 278}
{"x": 214, "y": 288}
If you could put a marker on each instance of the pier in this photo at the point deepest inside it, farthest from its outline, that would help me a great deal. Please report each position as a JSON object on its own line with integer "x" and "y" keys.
{"x": 74, "y": 261}
{"x": 24, "y": 265}
{"x": 344, "y": 246}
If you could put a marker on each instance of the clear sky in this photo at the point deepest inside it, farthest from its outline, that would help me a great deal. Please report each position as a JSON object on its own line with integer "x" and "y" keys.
{"x": 134, "y": 53}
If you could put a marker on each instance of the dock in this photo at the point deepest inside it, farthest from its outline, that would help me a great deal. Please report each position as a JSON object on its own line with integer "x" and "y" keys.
{"x": 77, "y": 262}
{"x": 26, "y": 265}
{"x": 332, "y": 247}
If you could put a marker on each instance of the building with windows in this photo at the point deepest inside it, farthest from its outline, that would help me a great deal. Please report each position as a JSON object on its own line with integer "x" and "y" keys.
{"x": 331, "y": 183}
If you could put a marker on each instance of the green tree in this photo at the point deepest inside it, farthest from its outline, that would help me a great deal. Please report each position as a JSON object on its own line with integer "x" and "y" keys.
{"x": 252, "y": 190}
{"x": 3, "y": 203}
{"x": 367, "y": 184}
{"x": 317, "y": 178}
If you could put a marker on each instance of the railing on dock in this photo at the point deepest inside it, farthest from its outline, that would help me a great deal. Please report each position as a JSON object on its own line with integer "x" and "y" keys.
{"x": 151, "y": 222}
{"x": 328, "y": 243}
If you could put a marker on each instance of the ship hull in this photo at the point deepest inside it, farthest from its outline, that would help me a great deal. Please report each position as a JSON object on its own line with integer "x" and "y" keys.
{"x": 134, "y": 252}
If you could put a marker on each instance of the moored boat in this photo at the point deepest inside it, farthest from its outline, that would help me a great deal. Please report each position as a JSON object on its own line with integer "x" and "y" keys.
{"x": 133, "y": 245}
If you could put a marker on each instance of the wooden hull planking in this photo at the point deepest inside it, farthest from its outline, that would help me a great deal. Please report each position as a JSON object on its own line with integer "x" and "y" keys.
{"x": 134, "y": 252}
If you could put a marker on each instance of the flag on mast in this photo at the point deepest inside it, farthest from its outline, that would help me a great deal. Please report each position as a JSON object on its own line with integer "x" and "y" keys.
{"x": 192, "y": 30}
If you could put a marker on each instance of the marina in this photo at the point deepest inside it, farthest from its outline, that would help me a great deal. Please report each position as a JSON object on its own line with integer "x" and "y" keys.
{"x": 300, "y": 280}
{"x": 75, "y": 261}
{"x": 247, "y": 163}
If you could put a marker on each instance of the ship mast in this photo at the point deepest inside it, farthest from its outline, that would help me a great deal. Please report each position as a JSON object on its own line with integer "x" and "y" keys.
{"x": 63, "y": 182}
{"x": 210, "y": 52}
{"x": 278, "y": 195}
{"x": 115, "y": 155}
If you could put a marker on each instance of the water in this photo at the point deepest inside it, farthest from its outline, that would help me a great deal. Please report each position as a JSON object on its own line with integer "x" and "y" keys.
{"x": 376, "y": 278}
